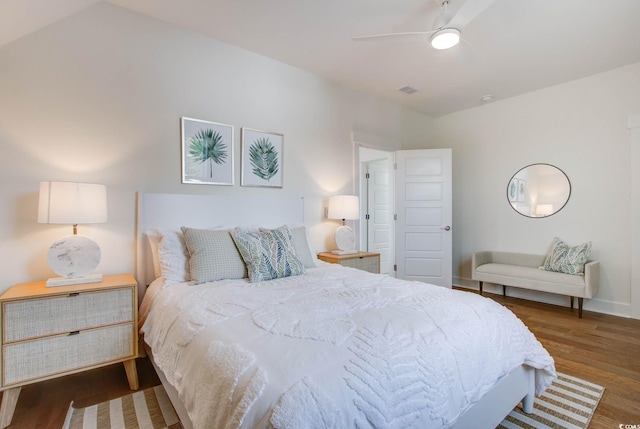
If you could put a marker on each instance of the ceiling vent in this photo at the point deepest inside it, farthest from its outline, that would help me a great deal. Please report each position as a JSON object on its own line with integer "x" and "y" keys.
{"x": 408, "y": 90}
{"x": 486, "y": 99}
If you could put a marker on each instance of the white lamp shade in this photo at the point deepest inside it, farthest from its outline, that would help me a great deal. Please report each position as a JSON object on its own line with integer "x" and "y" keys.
{"x": 72, "y": 203}
{"x": 344, "y": 207}
{"x": 544, "y": 209}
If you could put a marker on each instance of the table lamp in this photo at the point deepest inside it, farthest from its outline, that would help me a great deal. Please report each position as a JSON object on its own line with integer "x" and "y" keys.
{"x": 543, "y": 210}
{"x": 73, "y": 256}
{"x": 344, "y": 207}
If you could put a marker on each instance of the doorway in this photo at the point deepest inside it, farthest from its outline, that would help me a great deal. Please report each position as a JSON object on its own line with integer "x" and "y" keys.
{"x": 406, "y": 212}
{"x": 376, "y": 206}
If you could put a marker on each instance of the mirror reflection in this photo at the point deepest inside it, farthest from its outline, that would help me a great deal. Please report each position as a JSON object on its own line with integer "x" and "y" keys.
{"x": 538, "y": 190}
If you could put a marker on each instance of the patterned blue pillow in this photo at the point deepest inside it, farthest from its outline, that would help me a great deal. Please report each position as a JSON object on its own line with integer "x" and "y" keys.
{"x": 566, "y": 259}
{"x": 268, "y": 254}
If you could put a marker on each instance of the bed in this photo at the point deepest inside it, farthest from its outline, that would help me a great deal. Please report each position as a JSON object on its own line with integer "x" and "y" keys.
{"x": 329, "y": 346}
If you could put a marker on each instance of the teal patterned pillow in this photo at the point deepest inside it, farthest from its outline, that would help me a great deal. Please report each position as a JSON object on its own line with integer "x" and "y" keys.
{"x": 268, "y": 254}
{"x": 566, "y": 259}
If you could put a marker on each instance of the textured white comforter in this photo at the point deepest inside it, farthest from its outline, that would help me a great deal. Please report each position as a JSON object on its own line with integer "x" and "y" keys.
{"x": 334, "y": 348}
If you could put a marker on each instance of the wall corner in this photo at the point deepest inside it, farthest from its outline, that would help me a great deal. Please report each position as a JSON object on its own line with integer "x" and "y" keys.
{"x": 633, "y": 124}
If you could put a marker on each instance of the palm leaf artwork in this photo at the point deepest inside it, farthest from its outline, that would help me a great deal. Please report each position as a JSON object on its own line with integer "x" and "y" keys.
{"x": 264, "y": 158}
{"x": 207, "y": 146}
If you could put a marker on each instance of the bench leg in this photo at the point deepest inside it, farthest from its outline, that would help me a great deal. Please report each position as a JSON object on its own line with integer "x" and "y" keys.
{"x": 480, "y": 285}
{"x": 504, "y": 290}
{"x": 580, "y": 308}
{"x": 571, "y": 302}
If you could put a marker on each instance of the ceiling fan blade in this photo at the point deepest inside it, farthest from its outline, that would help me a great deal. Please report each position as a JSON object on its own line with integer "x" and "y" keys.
{"x": 393, "y": 36}
{"x": 468, "y": 12}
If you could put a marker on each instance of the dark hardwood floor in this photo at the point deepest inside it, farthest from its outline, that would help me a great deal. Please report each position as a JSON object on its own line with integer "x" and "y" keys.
{"x": 599, "y": 348}
{"x": 44, "y": 405}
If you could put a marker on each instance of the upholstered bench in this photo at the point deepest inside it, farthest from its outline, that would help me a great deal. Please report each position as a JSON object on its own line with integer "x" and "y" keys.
{"x": 522, "y": 270}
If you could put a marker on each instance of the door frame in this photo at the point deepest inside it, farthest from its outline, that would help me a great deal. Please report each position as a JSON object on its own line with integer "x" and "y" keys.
{"x": 363, "y": 191}
{"x": 361, "y": 140}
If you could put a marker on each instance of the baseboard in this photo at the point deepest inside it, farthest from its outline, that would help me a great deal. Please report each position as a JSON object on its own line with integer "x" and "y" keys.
{"x": 466, "y": 283}
{"x": 595, "y": 305}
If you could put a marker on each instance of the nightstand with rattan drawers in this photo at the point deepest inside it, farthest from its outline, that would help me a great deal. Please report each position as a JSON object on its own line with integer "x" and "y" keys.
{"x": 367, "y": 261}
{"x": 49, "y": 332}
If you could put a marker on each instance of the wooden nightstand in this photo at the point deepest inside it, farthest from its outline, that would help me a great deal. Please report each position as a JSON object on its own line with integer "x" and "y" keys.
{"x": 56, "y": 331}
{"x": 366, "y": 261}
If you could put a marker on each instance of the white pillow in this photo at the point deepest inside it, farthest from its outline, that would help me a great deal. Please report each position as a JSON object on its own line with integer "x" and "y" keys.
{"x": 173, "y": 255}
{"x": 173, "y": 258}
{"x": 153, "y": 236}
{"x": 300, "y": 237}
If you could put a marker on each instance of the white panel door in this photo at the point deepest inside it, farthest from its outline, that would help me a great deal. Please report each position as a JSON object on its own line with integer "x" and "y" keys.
{"x": 379, "y": 211}
{"x": 424, "y": 214}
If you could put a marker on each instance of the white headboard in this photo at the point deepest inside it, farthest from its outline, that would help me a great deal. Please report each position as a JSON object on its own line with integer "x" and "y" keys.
{"x": 171, "y": 211}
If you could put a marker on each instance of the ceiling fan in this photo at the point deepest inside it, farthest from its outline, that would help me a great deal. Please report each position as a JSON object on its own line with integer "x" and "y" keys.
{"x": 446, "y": 28}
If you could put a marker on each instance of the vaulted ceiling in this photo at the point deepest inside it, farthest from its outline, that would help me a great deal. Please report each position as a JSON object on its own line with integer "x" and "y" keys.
{"x": 510, "y": 48}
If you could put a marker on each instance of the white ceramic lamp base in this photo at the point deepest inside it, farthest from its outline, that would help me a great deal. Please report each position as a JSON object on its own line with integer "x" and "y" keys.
{"x": 345, "y": 240}
{"x": 66, "y": 281}
{"x": 73, "y": 257}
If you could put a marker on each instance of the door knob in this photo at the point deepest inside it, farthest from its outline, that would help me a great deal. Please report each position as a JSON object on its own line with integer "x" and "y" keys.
{"x": 446, "y": 228}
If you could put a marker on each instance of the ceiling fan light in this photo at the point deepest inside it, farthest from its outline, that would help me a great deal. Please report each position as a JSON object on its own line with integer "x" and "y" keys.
{"x": 445, "y": 38}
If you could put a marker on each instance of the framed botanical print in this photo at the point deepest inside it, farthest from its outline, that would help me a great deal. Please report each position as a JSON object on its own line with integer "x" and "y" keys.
{"x": 522, "y": 190}
{"x": 512, "y": 190}
{"x": 207, "y": 152}
{"x": 261, "y": 158}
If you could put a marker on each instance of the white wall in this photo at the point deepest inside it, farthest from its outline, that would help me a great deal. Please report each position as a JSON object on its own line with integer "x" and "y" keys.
{"x": 98, "y": 98}
{"x": 580, "y": 127}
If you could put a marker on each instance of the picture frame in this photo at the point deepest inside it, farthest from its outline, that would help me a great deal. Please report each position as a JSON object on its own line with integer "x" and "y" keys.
{"x": 207, "y": 152}
{"x": 522, "y": 190}
{"x": 512, "y": 190}
{"x": 262, "y": 158}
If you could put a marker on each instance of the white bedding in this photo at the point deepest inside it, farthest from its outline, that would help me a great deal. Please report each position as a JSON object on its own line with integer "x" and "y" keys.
{"x": 333, "y": 348}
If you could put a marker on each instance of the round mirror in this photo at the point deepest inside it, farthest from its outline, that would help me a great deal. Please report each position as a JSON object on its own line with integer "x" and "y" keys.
{"x": 538, "y": 190}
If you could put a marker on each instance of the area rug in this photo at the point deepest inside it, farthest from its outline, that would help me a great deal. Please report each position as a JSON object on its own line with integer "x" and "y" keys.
{"x": 568, "y": 403}
{"x": 146, "y": 409}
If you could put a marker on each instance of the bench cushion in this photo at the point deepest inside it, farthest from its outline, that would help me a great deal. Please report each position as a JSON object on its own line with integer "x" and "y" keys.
{"x": 532, "y": 278}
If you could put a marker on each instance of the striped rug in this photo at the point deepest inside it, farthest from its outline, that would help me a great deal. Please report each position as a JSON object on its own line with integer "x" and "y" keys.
{"x": 568, "y": 403}
{"x": 146, "y": 409}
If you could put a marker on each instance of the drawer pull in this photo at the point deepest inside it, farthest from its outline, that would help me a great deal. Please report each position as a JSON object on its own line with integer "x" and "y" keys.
{"x": 74, "y": 294}
{"x": 74, "y": 333}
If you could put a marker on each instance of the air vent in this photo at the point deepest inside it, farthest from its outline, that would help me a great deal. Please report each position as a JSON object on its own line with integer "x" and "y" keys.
{"x": 487, "y": 98}
{"x": 408, "y": 90}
